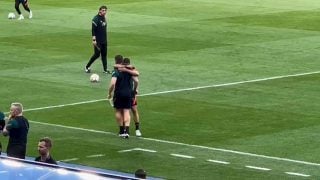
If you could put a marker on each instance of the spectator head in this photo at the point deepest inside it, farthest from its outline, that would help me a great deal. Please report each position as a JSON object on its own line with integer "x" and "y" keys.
{"x": 16, "y": 109}
{"x": 141, "y": 174}
{"x": 44, "y": 146}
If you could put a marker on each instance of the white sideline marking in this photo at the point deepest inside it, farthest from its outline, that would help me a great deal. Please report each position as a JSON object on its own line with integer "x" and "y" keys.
{"x": 233, "y": 83}
{"x": 71, "y": 127}
{"x": 67, "y": 160}
{"x": 180, "y": 90}
{"x": 182, "y": 156}
{"x": 297, "y": 174}
{"x": 189, "y": 145}
{"x": 127, "y": 150}
{"x": 216, "y": 161}
{"x": 95, "y": 155}
{"x": 258, "y": 168}
{"x": 137, "y": 149}
{"x": 145, "y": 150}
{"x": 234, "y": 152}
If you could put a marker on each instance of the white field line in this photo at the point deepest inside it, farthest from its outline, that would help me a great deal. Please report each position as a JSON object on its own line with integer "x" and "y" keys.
{"x": 127, "y": 150}
{"x": 145, "y": 150}
{"x": 68, "y": 160}
{"x": 219, "y": 162}
{"x": 258, "y": 168}
{"x": 182, "y": 156}
{"x": 188, "y": 145}
{"x": 298, "y": 174}
{"x": 137, "y": 149}
{"x": 71, "y": 127}
{"x": 180, "y": 90}
{"x": 95, "y": 155}
{"x": 234, "y": 152}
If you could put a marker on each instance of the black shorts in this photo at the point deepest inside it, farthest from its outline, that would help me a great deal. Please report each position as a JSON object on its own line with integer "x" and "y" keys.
{"x": 22, "y": 1}
{"x": 122, "y": 102}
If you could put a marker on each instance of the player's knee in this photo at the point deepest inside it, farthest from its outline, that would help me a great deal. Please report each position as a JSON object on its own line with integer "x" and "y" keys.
{"x": 96, "y": 55}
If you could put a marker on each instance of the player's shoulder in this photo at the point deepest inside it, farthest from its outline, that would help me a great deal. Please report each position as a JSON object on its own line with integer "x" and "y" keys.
{"x": 95, "y": 18}
{"x": 13, "y": 123}
{"x": 115, "y": 73}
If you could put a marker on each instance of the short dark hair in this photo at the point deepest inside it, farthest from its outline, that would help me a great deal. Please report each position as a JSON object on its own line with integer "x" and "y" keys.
{"x": 126, "y": 61}
{"x": 47, "y": 140}
{"x": 140, "y": 173}
{"x": 118, "y": 59}
{"x": 103, "y": 7}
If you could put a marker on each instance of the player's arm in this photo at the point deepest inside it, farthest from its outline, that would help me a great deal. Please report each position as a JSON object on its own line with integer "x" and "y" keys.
{"x": 111, "y": 86}
{"x": 94, "y": 41}
{"x": 135, "y": 84}
{"x": 119, "y": 66}
{"x": 10, "y": 125}
{"x": 133, "y": 72}
{"x": 5, "y": 132}
{"x": 93, "y": 30}
{"x": 129, "y": 66}
{"x": 124, "y": 66}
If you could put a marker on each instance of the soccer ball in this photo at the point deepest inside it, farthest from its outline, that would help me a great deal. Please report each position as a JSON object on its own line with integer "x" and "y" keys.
{"x": 94, "y": 78}
{"x": 11, "y": 15}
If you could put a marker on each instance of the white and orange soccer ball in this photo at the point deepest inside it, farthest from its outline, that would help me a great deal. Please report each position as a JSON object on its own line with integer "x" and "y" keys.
{"x": 94, "y": 78}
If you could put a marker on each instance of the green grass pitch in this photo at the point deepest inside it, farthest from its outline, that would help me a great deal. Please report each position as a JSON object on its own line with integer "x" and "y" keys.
{"x": 252, "y": 65}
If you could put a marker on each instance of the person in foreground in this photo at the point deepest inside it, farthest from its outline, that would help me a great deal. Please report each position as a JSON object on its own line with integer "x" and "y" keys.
{"x": 44, "y": 147}
{"x": 17, "y": 129}
{"x": 141, "y": 174}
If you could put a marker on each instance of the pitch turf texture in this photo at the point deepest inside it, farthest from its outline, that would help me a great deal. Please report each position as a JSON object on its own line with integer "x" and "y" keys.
{"x": 271, "y": 124}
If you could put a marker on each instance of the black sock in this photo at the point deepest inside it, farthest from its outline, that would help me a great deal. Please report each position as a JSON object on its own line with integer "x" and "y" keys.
{"x": 121, "y": 130}
{"x": 137, "y": 125}
{"x": 127, "y": 129}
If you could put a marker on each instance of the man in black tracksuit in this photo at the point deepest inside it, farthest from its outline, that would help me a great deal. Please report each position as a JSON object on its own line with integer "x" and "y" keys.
{"x": 99, "y": 39}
